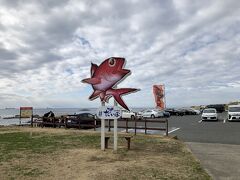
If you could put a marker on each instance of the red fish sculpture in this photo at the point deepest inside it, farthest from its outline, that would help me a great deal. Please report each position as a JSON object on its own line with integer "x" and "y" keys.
{"x": 105, "y": 77}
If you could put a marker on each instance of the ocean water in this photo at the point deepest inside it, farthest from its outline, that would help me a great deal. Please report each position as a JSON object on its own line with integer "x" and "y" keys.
{"x": 41, "y": 112}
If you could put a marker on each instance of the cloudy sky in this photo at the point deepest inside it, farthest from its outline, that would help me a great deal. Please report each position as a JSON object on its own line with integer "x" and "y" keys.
{"x": 47, "y": 46}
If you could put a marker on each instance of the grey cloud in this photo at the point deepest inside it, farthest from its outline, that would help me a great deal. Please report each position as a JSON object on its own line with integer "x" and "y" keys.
{"x": 190, "y": 46}
{"x": 45, "y": 4}
{"x": 11, "y": 4}
{"x": 7, "y": 55}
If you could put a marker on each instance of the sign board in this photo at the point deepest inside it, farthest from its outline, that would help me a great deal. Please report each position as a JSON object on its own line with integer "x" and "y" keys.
{"x": 26, "y": 112}
{"x": 109, "y": 112}
{"x": 104, "y": 79}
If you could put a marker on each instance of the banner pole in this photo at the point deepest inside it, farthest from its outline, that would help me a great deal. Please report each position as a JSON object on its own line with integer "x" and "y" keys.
{"x": 164, "y": 92}
{"x": 32, "y": 119}
{"x": 20, "y": 117}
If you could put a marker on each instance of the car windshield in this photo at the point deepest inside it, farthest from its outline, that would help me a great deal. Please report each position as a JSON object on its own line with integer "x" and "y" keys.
{"x": 209, "y": 111}
{"x": 234, "y": 109}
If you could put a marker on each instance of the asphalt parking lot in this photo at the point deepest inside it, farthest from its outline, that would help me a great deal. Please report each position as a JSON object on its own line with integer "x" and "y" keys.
{"x": 192, "y": 129}
{"x": 215, "y": 143}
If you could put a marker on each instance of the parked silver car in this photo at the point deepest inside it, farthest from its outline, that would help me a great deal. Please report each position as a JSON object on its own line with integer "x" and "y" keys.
{"x": 128, "y": 114}
{"x": 152, "y": 114}
{"x": 139, "y": 114}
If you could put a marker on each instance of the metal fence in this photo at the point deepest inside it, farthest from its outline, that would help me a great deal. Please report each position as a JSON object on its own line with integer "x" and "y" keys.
{"x": 145, "y": 124}
{"x": 135, "y": 124}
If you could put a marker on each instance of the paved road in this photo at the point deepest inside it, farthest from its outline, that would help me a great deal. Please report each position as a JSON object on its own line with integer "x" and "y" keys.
{"x": 220, "y": 160}
{"x": 193, "y": 130}
{"x": 215, "y": 144}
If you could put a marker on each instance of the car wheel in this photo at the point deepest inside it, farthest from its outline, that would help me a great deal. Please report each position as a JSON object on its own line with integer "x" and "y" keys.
{"x": 177, "y": 114}
{"x": 152, "y": 116}
{"x": 132, "y": 117}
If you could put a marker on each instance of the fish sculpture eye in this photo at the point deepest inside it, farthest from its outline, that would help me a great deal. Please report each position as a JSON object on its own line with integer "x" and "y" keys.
{"x": 111, "y": 62}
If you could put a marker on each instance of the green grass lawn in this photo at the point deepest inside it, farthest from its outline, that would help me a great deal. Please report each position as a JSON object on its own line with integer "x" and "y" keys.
{"x": 35, "y": 153}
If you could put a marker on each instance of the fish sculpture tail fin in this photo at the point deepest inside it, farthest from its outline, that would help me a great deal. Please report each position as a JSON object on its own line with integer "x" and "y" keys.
{"x": 117, "y": 93}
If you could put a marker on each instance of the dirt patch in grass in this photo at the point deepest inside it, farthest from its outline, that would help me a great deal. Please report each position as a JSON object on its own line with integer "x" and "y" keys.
{"x": 45, "y": 153}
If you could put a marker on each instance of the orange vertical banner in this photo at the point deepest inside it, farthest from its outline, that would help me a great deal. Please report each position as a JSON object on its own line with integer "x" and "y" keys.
{"x": 159, "y": 95}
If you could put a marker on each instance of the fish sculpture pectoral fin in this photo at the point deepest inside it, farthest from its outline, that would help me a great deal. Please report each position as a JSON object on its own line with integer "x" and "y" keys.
{"x": 92, "y": 81}
{"x": 117, "y": 93}
{"x": 95, "y": 94}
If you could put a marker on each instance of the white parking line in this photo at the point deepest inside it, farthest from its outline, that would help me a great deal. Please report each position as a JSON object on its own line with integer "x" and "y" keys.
{"x": 173, "y": 130}
{"x": 200, "y": 121}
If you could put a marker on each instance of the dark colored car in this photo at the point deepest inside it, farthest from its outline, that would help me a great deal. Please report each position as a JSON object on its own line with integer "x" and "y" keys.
{"x": 166, "y": 114}
{"x": 173, "y": 111}
{"x": 181, "y": 112}
{"x": 219, "y": 107}
{"x": 83, "y": 120}
{"x": 190, "y": 112}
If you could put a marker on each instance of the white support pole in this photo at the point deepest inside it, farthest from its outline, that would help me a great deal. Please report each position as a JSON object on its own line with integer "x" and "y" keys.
{"x": 103, "y": 132}
{"x": 115, "y": 131}
{"x": 115, "y": 135}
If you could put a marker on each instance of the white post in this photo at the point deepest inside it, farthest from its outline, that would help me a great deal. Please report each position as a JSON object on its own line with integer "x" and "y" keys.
{"x": 115, "y": 131}
{"x": 103, "y": 132}
{"x": 115, "y": 134}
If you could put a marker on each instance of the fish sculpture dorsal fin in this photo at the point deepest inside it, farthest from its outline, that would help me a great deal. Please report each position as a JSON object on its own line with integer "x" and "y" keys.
{"x": 93, "y": 68}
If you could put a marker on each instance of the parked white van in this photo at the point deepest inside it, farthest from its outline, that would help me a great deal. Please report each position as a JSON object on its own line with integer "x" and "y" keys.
{"x": 233, "y": 112}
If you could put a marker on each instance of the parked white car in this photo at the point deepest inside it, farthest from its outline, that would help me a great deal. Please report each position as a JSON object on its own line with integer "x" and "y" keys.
{"x": 128, "y": 114}
{"x": 152, "y": 114}
{"x": 197, "y": 111}
{"x": 209, "y": 114}
{"x": 233, "y": 112}
{"x": 139, "y": 114}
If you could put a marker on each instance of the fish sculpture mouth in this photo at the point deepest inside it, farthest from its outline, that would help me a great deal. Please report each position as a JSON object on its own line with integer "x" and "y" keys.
{"x": 105, "y": 77}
